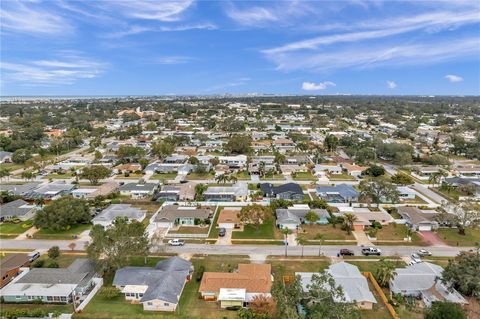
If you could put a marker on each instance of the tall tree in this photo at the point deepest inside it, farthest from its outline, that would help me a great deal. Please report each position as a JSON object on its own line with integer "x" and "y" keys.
{"x": 462, "y": 273}
{"x": 254, "y": 214}
{"x": 331, "y": 142}
{"x": 378, "y": 189}
{"x": 301, "y": 241}
{"x": 348, "y": 221}
{"x": 385, "y": 272}
{"x": 287, "y": 297}
{"x": 112, "y": 247}
{"x": 327, "y": 300}
{"x": 62, "y": 214}
{"x": 95, "y": 173}
{"x": 445, "y": 310}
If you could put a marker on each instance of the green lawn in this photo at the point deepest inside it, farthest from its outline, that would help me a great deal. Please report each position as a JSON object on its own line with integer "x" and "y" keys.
{"x": 214, "y": 229}
{"x": 267, "y": 230}
{"x": 45, "y": 233}
{"x": 46, "y": 307}
{"x": 12, "y": 230}
{"x": 453, "y": 238}
{"x": 11, "y": 166}
{"x": 272, "y": 176}
{"x": 373, "y": 265}
{"x": 328, "y": 231}
{"x": 304, "y": 176}
{"x": 340, "y": 177}
{"x": 190, "y": 306}
{"x": 242, "y": 175}
{"x": 288, "y": 266}
{"x": 190, "y": 230}
{"x": 195, "y": 176}
{"x": 164, "y": 176}
{"x": 130, "y": 176}
{"x": 59, "y": 176}
{"x": 397, "y": 232}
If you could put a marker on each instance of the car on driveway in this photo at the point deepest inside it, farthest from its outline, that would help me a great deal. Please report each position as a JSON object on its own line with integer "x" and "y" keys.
{"x": 176, "y": 242}
{"x": 371, "y": 251}
{"x": 416, "y": 258}
{"x": 221, "y": 232}
{"x": 346, "y": 252}
{"x": 423, "y": 253}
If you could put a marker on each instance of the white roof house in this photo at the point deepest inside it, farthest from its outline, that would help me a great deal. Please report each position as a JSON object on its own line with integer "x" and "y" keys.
{"x": 109, "y": 214}
{"x": 423, "y": 280}
{"x": 353, "y": 283}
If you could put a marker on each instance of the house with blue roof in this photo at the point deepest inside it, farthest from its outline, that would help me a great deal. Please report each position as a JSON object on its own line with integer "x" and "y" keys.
{"x": 342, "y": 193}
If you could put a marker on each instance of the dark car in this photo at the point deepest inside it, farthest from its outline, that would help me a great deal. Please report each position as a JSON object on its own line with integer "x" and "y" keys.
{"x": 221, "y": 232}
{"x": 346, "y": 252}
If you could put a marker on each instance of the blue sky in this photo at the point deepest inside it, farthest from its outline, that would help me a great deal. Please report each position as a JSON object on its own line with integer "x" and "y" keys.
{"x": 60, "y": 47}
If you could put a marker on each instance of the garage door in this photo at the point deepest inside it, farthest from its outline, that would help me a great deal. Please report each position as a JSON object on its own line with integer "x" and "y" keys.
{"x": 424, "y": 228}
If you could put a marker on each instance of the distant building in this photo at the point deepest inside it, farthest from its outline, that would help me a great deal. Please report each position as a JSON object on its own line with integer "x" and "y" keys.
{"x": 289, "y": 191}
{"x": 341, "y": 193}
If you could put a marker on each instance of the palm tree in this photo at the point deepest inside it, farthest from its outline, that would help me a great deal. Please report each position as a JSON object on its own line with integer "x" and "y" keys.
{"x": 232, "y": 179}
{"x": 320, "y": 237}
{"x": 348, "y": 220}
{"x": 261, "y": 168}
{"x": 436, "y": 177}
{"x": 385, "y": 272}
{"x": 285, "y": 231}
{"x": 222, "y": 178}
{"x": 302, "y": 241}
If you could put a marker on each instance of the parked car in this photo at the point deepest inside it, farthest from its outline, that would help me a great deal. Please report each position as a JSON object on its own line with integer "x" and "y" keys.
{"x": 176, "y": 242}
{"x": 371, "y": 251}
{"x": 416, "y": 258}
{"x": 221, "y": 232}
{"x": 423, "y": 253}
{"x": 33, "y": 255}
{"x": 346, "y": 252}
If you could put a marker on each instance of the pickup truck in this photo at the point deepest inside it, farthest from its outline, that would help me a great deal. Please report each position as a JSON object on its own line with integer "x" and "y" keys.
{"x": 176, "y": 242}
{"x": 371, "y": 251}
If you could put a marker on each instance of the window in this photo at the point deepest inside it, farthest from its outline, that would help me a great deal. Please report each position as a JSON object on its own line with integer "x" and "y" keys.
{"x": 63, "y": 298}
{"x": 140, "y": 295}
{"x": 56, "y": 298}
{"x": 18, "y": 297}
{"x": 128, "y": 294}
{"x": 150, "y": 303}
{"x": 49, "y": 298}
{"x": 166, "y": 304}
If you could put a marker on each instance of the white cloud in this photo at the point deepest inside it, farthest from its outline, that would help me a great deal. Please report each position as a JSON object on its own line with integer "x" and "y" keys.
{"x": 252, "y": 16}
{"x": 310, "y": 86}
{"x": 426, "y": 22}
{"x": 137, "y": 29}
{"x": 173, "y": 59}
{"x": 391, "y": 84}
{"x": 165, "y": 11}
{"x": 16, "y": 16}
{"x": 453, "y": 78}
{"x": 66, "y": 70}
{"x": 377, "y": 55}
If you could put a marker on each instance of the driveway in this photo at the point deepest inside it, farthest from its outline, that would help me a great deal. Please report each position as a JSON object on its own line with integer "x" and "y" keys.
{"x": 362, "y": 239}
{"x": 227, "y": 239}
{"x": 432, "y": 238}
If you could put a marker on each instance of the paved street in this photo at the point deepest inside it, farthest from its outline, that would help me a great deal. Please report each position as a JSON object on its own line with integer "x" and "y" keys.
{"x": 277, "y": 250}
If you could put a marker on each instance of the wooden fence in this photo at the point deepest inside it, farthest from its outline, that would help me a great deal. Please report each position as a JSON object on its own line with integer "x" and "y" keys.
{"x": 379, "y": 290}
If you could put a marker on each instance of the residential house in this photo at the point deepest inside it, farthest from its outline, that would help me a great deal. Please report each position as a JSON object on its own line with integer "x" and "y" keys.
{"x": 341, "y": 193}
{"x": 17, "y": 209}
{"x": 284, "y": 145}
{"x": 289, "y": 191}
{"x": 289, "y": 169}
{"x": 51, "y": 191}
{"x": 109, "y": 214}
{"x": 353, "y": 170}
{"x": 472, "y": 171}
{"x": 157, "y": 288}
{"x": 52, "y": 285}
{"x": 237, "y": 289}
{"x": 417, "y": 219}
{"x": 172, "y": 215}
{"x": 127, "y": 168}
{"x": 228, "y": 218}
{"x": 350, "y": 279}
{"x": 5, "y": 157}
{"x": 423, "y": 280}
{"x": 174, "y": 193}
{"x": 138, "y": 190}
{"x": 237, "y": 192}
{"x": 364, "y": 216}
{"x": 406, "y": 193}
{"x": 10, "y": 266}
{"x": 319, "y": 169}
{"x": 234, "y": 162}
{"x": 460, "y": 181}
{"x": 424, "y": 173}
{"x": 19, "y": 189}
{"x": 294, "y": 216}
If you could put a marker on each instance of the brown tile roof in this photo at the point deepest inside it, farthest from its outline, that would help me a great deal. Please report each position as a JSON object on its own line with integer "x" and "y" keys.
{"x": 13, "y": 261}
{"x": 255, "y": 278}
{"x": 229, "y": 216}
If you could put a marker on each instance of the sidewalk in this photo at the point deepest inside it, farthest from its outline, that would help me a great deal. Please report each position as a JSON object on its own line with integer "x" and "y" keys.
{"x": 362, "y": 239}
{"x": 30, "y": 231}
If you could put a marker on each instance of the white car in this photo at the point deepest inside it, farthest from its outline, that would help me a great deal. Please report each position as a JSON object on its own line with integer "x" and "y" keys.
{"x": 416, "y": 258}
{"x": 176, "y": 242}
{"x": 423, "y": 253}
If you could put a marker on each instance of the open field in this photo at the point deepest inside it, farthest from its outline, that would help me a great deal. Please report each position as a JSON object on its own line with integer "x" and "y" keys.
{"x": 453, "y": 238}
{"x": 328, "y": 231}
{"x": 75, "y": 230}
{"x": 267, "y": 230}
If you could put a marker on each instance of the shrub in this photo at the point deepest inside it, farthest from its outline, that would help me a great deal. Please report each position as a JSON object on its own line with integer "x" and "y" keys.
{"x": 38, "y": 263}
{"x": 50, "y": 263}
{"x": 109, "y": 292}
{"x": 200, "y": 272}
{"x": 54, "y": 252}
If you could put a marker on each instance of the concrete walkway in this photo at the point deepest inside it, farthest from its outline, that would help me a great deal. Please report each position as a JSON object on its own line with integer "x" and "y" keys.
{"x": 29, "y": 232}
{"x": 362, "y": 239}
{"x": 227, "y": 239}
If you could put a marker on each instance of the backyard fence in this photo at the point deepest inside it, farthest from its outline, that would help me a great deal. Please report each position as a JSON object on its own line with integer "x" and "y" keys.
{"x": 379, "y": 291}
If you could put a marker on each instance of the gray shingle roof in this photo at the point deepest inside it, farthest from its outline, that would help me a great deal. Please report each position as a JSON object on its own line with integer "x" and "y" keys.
{"x": 18, "y": 207}
{"x": 165, "y": 281}
{"x": 74, "y": 274}
{"x": 119, "y": 210}
{"x": 346, "y": 191}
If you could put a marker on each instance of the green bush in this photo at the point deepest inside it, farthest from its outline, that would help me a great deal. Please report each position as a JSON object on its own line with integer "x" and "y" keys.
{"x": 200, "y": 272}
{"x": 38, "y": 263}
